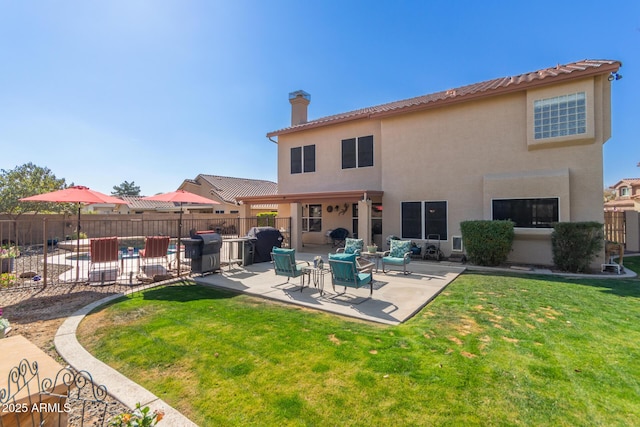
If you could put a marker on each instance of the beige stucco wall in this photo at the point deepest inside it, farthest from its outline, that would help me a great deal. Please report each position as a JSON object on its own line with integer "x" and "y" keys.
{"x": 466, "y": 154}
{"x": 457, "y": 154}
{"x": 329, "y": 175}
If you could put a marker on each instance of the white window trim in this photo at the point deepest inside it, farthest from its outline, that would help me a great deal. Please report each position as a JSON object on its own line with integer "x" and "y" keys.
{"x": 307, "y": 219}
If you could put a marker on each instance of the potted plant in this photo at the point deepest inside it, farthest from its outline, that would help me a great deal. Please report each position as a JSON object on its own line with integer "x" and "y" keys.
{"x": 8, "y": 254}
{"x": 372, "y": 249}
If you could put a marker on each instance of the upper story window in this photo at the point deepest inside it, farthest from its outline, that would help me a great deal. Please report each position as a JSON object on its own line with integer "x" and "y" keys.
{"x": 357, "y": 152}
{"x": 624, "y": 191}
{"x": 560, "y": 116}
{"x": 303, "y": 159}
{"x": 527, "y": 213}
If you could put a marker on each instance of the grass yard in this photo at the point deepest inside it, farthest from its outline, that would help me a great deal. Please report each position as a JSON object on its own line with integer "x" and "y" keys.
{"x": 490, "y": 350}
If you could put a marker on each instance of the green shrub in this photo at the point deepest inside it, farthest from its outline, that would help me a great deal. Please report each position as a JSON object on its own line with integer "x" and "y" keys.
{"x": 575, "y": 244}
{"x": 487, "y": 242}
{"x": 267, "y": 219}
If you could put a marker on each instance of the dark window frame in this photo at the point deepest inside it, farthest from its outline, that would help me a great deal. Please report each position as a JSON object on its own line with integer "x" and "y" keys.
{"x": 419, "y": 219}
{"x": 532, "y": 212}
{"x": 357, "y": 152}
{"x": 303, "y": 159}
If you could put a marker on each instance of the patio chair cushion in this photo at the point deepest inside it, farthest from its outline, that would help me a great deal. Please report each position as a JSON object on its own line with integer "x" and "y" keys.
{"x": 343, "y": 273}
{"x": 290, "y": 252}
{"x": 399, "y": 248}
{"x": 395, "y": 260}
{"x": 353, "y": 246}
{"x": 343, "y": 257}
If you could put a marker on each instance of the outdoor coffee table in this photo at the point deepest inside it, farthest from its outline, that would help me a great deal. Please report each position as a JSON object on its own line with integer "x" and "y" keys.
{"x": 317, "y": 275}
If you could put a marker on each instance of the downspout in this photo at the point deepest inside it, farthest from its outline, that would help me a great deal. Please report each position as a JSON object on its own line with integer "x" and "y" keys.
{"x": 275, "y": 142}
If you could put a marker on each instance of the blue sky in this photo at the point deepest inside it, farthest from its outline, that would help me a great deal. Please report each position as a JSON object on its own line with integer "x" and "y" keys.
{"x": 159, "y": 91}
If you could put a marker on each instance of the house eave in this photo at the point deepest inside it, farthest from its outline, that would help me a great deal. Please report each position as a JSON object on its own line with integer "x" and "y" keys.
{"x": 350, "y": 195}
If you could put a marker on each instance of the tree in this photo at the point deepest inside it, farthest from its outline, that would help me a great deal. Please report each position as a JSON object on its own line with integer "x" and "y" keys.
{"x": 126, "y": 189}
{"x": 609, "y": 194}
{"x": 24, "y": 181}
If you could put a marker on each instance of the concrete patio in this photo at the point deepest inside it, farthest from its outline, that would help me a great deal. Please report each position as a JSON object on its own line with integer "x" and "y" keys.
{"x": 395, "y": 298}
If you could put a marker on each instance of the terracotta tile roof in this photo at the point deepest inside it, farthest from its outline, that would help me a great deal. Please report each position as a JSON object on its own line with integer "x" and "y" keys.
{"x": 228, "y": 188}
{"x": 488, "y": 88}
{"x": 626, "y": 181}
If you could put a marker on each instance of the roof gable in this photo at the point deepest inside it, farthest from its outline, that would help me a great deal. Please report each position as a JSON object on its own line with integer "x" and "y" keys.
{"x": 502, "y": 85}
{"x": 229, "y": 188}
{"x": 624, "y": 182}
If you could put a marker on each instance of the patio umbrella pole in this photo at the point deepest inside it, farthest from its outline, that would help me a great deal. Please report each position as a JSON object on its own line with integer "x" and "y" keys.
{"x": 78, "y": 246}
{"x": 179, "y": 236}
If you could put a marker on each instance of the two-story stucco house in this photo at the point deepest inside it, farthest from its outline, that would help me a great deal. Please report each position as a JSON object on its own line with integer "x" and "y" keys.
{"x": 627, "y": 196}
{"x": 526, "y": 148}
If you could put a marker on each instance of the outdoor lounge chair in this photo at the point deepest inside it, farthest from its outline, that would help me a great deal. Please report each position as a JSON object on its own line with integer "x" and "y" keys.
{"x": 285, "y": 264}
{"x": 154, "y": 252}
{"x": 338, "y": 236}
{"x": 104, "y": 264}
{"x": 344, "y": 272}
{"x": 352, "y": 246}
{"x": 398, "y": 254}
{"x": 355, "y": 246}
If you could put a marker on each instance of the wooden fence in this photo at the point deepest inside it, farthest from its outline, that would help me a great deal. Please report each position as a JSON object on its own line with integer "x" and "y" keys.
{"x": 615, "y": 226}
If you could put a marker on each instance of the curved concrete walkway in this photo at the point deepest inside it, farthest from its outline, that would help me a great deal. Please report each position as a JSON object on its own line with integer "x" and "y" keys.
{"x": 118, "y": 386}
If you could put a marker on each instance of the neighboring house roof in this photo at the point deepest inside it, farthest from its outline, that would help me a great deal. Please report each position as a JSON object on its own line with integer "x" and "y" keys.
{"x": 136, "y": 202}
{"x": 229, "y": 189}
{"x": 488, "y": 88}
{"x": 627, "y": 181}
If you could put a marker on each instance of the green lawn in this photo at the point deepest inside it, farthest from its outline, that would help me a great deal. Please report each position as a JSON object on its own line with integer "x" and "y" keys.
{"x": 490, "y": 350}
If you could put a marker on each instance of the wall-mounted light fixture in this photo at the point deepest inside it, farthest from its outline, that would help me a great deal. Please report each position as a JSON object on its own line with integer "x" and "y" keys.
{"x": 614, "y": 76}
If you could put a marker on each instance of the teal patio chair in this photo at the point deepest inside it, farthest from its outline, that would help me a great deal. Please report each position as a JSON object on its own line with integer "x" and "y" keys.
{"x": 344, "y": 272}
{"x": 398, "y": 254}
{"x": 352, "y": 246}
{"x": 285, "y": 264}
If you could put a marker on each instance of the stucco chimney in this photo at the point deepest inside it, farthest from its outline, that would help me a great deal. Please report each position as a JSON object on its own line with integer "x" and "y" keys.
{"x": 299, "y": 101}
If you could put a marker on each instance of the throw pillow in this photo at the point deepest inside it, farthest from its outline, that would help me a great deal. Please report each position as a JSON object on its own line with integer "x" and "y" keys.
{"x": 351, "y": 246}
{"x": 399, "y": 248}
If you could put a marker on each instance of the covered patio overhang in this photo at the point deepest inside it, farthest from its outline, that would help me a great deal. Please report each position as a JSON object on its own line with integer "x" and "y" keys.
{"x": 345, "y": 196}
{"x": 296, "y": 201}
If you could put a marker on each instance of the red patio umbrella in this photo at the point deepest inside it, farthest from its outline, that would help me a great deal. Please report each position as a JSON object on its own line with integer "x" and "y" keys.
{"x": 76, "y": 194}
{"x": 180, "y": 196}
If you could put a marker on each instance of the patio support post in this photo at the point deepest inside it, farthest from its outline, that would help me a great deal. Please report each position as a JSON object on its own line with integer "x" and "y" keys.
{"x": 296, "y": 226}
{"x": 244, "y": 211}
{"x": 44, "y": 252}
{"x": 364, "y": 221}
